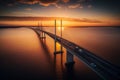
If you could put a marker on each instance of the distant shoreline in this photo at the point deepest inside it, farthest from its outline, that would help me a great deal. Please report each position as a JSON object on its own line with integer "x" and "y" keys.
{"x": 66, "y": 27}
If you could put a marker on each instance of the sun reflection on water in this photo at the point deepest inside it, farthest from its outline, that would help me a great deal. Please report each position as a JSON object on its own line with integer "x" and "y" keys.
{"x": 59, "y": 28}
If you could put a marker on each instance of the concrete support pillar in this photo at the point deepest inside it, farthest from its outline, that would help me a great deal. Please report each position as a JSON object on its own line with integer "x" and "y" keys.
{"x": 41, "y": 34}
{"x": 69, "y": 58}
{"x": 44, "y": 35}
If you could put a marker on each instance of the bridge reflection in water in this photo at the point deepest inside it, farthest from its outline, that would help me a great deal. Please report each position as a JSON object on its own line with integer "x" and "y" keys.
{"x": 103, "y": 68}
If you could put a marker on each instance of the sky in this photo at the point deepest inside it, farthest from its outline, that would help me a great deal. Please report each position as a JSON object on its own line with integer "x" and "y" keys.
{"x": 106, "y": 11}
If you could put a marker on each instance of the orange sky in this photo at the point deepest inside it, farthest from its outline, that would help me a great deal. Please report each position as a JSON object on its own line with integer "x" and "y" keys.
{"x": 82, "y": 22}
{"x": 49, "y": 21}
{"x": 89, "y": 12}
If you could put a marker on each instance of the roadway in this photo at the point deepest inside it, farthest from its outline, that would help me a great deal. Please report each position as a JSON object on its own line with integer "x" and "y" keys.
{"x": 102, "y": 67}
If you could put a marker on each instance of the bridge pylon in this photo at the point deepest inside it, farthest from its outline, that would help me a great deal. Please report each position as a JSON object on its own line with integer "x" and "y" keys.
{"x": 42, "y": 34}
{"x": 55, "y": 41}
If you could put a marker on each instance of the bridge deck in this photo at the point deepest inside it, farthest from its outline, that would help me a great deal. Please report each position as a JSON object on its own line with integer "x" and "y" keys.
{"x": 103, "y": 68}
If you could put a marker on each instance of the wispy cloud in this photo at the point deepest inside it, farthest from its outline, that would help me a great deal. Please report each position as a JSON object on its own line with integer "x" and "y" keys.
{"x": 74, "y": 6}
{"x": 47, "y": 2}
{"x": 90, "y": 20}
{"x": 56, "y": 3}
{"x": 89, "y": 6}
{"x": 42, "y": 2}
{"x": 48, "y": 18}
{"x": 20, "y": 12}
{"x": 28, "y": 1}
{"x": 81, "y": 7}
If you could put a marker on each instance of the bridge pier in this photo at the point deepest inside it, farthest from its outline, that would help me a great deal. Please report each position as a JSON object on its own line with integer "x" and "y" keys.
{"x": 42, "y": 35}
{"x": 69, "y": 59}
{"x": 55, "y": 49}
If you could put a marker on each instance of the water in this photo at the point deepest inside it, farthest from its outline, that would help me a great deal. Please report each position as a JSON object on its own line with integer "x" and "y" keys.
{"x": 22, "y": 56}
{"x": 25, "y": 56}
{"x": 102, "y": 41}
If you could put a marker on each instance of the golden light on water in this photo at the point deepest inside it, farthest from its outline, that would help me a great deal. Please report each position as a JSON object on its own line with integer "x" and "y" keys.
{"x": 59, "y": 28}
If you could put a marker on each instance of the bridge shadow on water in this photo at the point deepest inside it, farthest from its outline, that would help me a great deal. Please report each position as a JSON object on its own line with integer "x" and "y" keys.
{"x": 57, "y": 61}
{"x": 63, "y": 72}
{"x": 28, "y": 62}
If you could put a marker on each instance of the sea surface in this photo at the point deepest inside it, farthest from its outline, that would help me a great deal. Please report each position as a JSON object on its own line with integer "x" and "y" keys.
{"x": 23, "y": 55}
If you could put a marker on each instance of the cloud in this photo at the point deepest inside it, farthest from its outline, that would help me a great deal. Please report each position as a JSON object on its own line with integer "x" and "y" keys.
{"x": 74, "y": 6}
{"x": 41, "y": 2}
{"x": 48, "y": 2}
{"x": 28, "y": 1}
{"x": 85, "y": 2}
{"x": 12, "y": 18}
{"x": 89, "y": 6}
{"x": 81, "y": 7}
{"x": 79, "y": 4}
{"x": 56, "y": 3}
{"x": 65, "y": 1}
{"x": 90, "y": 20}
{"x": 28, "y": 9}
{"x": 19, "y": 12}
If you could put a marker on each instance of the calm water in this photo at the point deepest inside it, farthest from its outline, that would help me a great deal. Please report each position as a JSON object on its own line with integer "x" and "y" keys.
{"x": 24, "y": 56}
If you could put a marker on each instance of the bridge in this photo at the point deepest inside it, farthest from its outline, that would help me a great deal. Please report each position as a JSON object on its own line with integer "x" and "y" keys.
{"x": 103, "y": 68}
